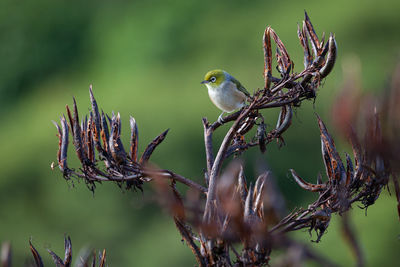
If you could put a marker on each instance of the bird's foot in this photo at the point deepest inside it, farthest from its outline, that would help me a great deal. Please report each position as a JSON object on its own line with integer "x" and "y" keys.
{"x": 220, "y": 119}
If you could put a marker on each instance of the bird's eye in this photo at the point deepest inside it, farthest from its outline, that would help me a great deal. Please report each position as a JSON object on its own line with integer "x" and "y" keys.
{"x": 213, "y": 79}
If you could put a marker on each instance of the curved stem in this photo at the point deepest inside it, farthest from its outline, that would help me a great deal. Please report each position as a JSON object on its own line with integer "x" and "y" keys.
{"x": 211, "y": 196}
{"x": 174, "y": 176}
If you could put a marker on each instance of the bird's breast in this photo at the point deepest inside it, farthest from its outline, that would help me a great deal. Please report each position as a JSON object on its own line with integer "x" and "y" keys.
{"x": 227, "y": 97}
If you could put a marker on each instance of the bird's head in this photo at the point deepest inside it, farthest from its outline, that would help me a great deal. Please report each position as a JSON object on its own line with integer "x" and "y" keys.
{"x": 214, "y": 78}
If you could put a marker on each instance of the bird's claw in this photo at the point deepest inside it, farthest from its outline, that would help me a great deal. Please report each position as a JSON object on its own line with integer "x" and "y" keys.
{"x": 220, "y": 119}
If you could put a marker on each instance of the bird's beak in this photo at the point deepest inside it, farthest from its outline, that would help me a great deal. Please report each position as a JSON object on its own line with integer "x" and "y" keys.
{"x": 203, "y": 82}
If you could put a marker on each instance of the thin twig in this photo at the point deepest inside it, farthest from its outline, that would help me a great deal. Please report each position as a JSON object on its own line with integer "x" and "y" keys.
{"x": 350, "y": 237}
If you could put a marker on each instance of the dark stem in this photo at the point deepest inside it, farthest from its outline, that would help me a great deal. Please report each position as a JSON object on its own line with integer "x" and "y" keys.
{"x": 174, "y": 176}
{"x": 208, "y": 145}
{"x": 211, "y": 197}
{"x": 350, "y": 237}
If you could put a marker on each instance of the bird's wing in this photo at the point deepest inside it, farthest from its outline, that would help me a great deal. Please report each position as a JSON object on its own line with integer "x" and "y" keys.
{"x": 240, "y": 87}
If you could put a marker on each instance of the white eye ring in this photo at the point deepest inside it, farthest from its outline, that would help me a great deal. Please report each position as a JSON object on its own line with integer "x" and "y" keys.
{"x": 213, "y": 79}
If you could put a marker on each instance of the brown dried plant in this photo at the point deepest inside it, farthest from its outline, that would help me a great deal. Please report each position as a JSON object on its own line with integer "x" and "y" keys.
{"x": 85, "y": 260}
{"x": 226, "y": 221}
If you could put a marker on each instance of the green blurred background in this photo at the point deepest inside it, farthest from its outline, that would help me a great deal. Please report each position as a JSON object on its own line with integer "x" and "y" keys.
{"x": 147, "y": 59}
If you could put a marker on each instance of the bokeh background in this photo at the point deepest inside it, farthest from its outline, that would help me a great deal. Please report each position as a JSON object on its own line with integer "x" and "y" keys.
{"x": 146, "y": 59}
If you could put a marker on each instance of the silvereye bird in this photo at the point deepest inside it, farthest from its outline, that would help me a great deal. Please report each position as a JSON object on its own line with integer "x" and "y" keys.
{"x": 225, "y": 91}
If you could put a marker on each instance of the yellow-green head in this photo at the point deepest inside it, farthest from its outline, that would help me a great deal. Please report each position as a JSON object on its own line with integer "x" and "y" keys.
{"x": 214, "y": 78}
